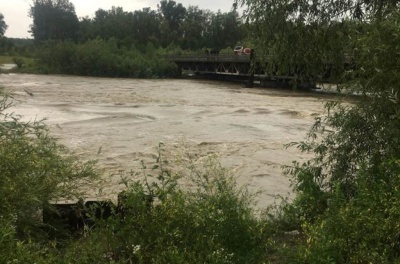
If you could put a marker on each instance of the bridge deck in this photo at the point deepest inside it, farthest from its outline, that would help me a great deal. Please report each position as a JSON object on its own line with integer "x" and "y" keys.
{"x": 227, "y": 64}
{"x": 208, "y": 57}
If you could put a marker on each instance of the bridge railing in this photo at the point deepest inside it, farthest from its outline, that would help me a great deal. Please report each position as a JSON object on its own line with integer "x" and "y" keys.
{"x": 207, "y": 57}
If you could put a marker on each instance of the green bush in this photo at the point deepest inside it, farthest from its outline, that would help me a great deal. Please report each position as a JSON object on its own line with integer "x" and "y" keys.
{"x": 19, "y": 62}
{"x": 347, "y": 199}
{"x": 362, "y": 230}
{"x": 34, "y": 170}
{"x": 160, "y": 221}
{"x": 102, "y": 58}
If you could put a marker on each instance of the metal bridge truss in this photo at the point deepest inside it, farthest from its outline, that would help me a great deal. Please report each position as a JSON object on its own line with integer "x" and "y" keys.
{"x": 216, "y": 64}
{"x": 231, "y": 68}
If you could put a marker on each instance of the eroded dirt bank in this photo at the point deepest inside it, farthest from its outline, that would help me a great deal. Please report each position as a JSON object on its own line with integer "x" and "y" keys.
{"x": 120, "y": 122}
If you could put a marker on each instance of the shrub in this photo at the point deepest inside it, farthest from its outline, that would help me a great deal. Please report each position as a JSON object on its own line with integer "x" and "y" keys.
{"x": 19, "y": 62}
{"x": 347, "y": 196}
{"x": 160, "y": 221}
{"x": 34, "y": 170}
{"x": 102, "y": 58}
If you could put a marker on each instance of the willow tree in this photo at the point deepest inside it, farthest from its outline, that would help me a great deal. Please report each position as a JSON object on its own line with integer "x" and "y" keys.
{"x": 307, "y": 40}
{"x": 347, "y": 202}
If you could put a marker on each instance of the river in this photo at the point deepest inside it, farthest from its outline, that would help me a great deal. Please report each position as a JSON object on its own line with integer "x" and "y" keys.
{"x": 120, "y": 122}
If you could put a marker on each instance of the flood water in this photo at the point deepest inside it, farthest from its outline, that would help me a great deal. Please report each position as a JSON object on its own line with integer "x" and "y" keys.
{"x": 120, "y": 122}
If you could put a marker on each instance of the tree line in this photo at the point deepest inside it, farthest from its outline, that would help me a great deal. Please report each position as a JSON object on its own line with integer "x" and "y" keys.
{"x": 190, "y": 27}
{"x": 119, "y": 43}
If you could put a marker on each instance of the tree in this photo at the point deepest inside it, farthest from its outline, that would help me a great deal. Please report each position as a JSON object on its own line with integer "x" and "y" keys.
{"x": 114, "y": 23}
{"x": 295, "y": 38}
{"x": 146, "y": 27}
{"x": 347, "y": 195}
{"x": 223, "y": 30}
{"x": 173, "y": 15}
{"x": 5, "y": 44}
{"x": 376, "y": 79}
{"x": 86, "y": 29}
{"x": 232, "y": 31}
{"x": 194, "y": 28}
{"x": 53, "y": 19}
{"x": 100, "y": 24}
{"x": 3, "y": 25}
{"x": 352, "y": 186}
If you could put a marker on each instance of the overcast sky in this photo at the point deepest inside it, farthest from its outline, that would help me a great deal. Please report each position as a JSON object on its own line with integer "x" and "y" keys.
{"x": 16, "y": 11}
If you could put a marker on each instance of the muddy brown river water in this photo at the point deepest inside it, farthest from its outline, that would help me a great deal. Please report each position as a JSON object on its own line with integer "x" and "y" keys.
{"x": 120, "y": 122}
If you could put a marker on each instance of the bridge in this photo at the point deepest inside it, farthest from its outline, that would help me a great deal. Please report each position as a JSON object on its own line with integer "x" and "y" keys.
{"x": 243, "y": 66}
{"x": 213, "y": 63}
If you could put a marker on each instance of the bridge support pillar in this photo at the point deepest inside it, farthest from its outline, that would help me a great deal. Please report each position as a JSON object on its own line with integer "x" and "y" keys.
{"x": 250, "y": 83}
{"x": 251, "y": 72}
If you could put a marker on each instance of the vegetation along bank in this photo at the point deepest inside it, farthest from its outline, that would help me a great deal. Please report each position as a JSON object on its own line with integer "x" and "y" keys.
{"x": 346, "y": 208}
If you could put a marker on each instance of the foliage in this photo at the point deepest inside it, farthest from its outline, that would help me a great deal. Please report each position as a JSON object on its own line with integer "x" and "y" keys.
{"x": 346, "y": 201}
{"x": 224, "y": 30}
{"x": 18, "y": 61}
{"x": 158, "y": 220}
{"x": 114, "y": 23}
{"x": 173, "y": 15}
{"x": 196, "y": 20}
{"x": 364, "y": 229}
{"x": 5, "y": 45}
{"x": 15, "y": 46}
{"x": 34, "y": 170}
{"x": 347, "y": 194}
{"x": 102, "y": 58}
{"x": 53, "y": 19}
{"x": 162, "y": 222}
{"x": 171, "y": 24}
{"x": 308, "y": 39}
{"x": 146, "y": 24}
{"x": 6, "y": 60}
{"x": 3, "y": 25}
{"x": 377, "y": 53}
{"x": 123, "y": 38}
{"x": 346, "y": 207}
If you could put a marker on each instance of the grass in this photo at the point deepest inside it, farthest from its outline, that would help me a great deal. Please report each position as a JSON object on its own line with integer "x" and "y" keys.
{"x": 4, "y": 59}
{"x": 9, "y": 59}
{"x": 23, "y": 64}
